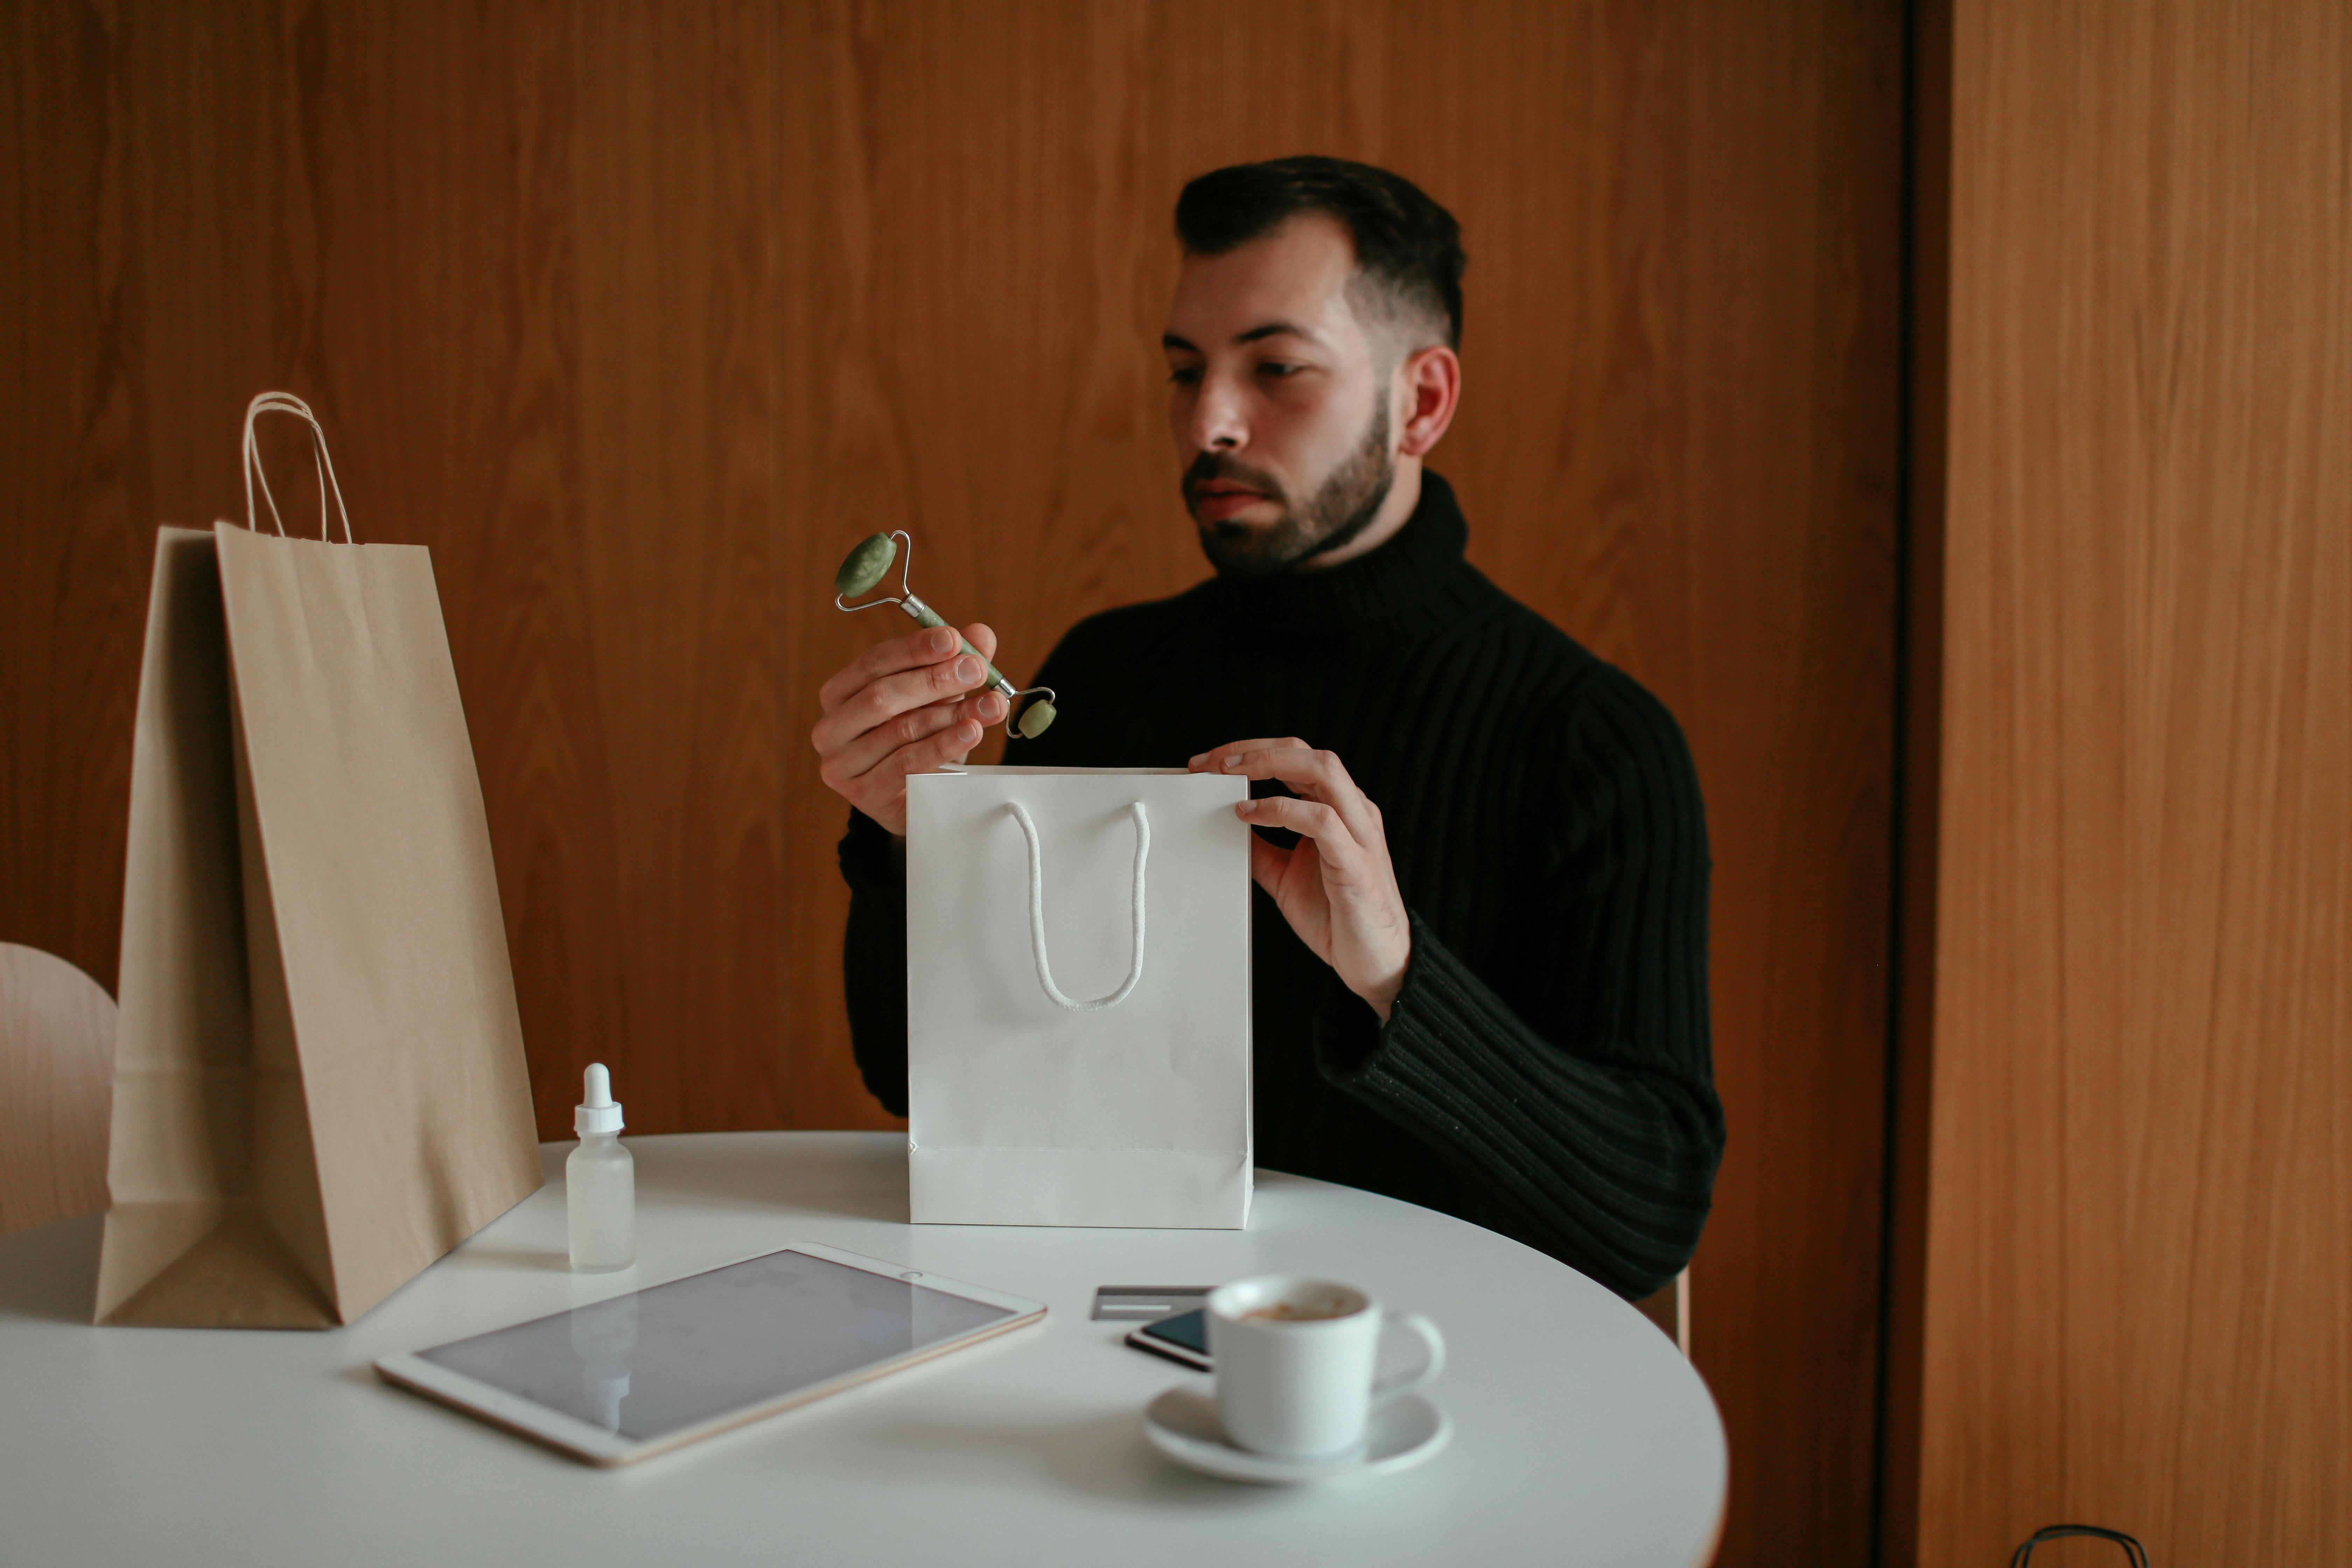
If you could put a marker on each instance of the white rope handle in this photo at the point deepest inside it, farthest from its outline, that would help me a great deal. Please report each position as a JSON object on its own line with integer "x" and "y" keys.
{"x": 287, "y": 403}
{"x": 1037, "y": 913}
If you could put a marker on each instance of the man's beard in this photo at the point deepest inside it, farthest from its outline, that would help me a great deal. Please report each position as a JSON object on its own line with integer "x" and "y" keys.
{"x": 1342, "y": 507}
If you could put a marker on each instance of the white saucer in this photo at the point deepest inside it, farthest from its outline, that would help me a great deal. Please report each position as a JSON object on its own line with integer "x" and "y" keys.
{"x": 1182, "y": 1424}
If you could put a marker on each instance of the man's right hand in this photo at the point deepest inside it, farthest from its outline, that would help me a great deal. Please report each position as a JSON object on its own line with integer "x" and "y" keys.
{"x": 911, "y": 705}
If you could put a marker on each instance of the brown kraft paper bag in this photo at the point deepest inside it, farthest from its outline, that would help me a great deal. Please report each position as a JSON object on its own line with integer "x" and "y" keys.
{"x": 320, "y": 1084}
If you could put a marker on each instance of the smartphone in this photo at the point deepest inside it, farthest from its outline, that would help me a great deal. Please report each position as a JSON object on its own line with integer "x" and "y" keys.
{"x": 1180, "y": 1337}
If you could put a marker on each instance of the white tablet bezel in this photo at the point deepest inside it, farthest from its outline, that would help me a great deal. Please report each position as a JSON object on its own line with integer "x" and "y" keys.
{"x": 570, "y": 1435}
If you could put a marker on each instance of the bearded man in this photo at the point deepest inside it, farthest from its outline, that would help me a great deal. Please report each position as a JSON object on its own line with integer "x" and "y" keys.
{"x": 1487, "y": 993}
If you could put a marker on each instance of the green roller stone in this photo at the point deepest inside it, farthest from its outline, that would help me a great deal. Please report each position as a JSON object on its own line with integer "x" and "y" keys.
{"x": 865, "y": 565}
{"x": 865, "y": 568}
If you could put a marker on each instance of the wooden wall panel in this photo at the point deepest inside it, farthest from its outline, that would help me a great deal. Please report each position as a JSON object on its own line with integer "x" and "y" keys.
{"x": 640, "y": 314}
{"x": 496, "y": 248}
{"x": 72, "y": 468}
{"x": 1678, "y": 440}
{"x": 2140, "y": 1216}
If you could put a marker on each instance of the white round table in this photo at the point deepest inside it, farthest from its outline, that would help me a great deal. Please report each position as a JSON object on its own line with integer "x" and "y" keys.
{"x": 1581, "y": 1436}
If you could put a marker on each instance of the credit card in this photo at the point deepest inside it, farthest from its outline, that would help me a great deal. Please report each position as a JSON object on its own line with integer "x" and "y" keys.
{"x": 1142, "y": 1303}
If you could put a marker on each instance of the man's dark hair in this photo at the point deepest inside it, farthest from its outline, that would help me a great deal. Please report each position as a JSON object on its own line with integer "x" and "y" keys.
{"x": 1406, "y": 244}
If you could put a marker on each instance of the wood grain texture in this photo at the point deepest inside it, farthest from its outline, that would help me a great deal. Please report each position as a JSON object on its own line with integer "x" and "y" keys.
{"x": 640, "y": 314}
{"x": 73, "y": 469}
{"x": 522, "y": 260}
{"x": 1677, "y": 440}
{"x": 2140, "y": 1216}
{"x": 56, "y": 1065}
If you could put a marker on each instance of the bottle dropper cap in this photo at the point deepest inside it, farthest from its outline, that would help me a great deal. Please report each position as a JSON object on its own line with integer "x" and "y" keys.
{"x": 602, "y": 1112}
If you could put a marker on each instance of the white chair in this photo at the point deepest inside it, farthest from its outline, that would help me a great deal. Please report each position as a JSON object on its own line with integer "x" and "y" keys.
{"x": 1670, "y": 1309}
{"x": 57, "y": 1070}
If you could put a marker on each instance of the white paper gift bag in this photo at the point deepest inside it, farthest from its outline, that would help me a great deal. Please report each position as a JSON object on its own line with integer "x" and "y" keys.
{"x": 1078, "y": 997}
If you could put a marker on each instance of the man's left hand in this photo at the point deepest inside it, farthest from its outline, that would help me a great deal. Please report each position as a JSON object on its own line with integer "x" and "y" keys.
{"x": 1336, "y": 887}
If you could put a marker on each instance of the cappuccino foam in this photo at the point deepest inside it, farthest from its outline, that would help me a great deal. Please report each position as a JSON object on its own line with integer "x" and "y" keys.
{"x": 1292, "y": 1313}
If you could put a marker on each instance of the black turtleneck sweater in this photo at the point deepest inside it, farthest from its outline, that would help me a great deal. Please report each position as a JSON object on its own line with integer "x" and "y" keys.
{"x": 1545, "y": 1070}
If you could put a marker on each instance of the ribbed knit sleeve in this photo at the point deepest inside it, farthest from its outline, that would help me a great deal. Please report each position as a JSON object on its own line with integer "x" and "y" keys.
{"x": 874, "y": 958}
{"x": 1584, "y": 1116}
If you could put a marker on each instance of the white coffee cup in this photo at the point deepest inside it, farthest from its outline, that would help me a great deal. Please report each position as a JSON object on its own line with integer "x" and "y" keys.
{"x": 1294, "y": 1358}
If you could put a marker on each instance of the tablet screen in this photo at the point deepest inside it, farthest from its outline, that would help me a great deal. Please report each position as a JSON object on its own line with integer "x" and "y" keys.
{"x": 654, "y": 1362}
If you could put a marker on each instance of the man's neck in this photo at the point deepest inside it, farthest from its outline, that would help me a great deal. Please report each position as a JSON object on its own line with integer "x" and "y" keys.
{"x": 1404, "y": 495}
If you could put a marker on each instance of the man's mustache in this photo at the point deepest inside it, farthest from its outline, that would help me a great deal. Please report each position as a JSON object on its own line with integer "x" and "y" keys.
{"x": 1211, "y": 468}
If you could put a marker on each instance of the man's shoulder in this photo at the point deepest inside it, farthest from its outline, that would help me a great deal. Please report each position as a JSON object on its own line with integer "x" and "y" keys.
{"x": 1528, "y": 633}
{"x": 1572, "y": 690}
{"x": 1555, "y": 670}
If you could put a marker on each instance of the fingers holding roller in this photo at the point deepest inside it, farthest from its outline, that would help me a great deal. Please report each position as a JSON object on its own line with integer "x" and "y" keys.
{"x": 940, "y": 674}
{"x": 976, "y": 711}
{"x": 906, "y": 705}
{"x": 861, "y": 755}
{"x": 945, "y": 748}
{"x": 915, "y": 653}
{"x": 884, "y": 681}
{"x": 883, "y": 700}
{"x": 888, "y": 656}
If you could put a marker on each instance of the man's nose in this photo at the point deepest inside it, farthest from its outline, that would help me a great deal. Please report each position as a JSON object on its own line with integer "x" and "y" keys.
{"x": 1217, "y": 424}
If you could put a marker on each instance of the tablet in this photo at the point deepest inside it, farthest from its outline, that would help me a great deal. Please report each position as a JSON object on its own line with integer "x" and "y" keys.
{"x": 641, "y": 1374}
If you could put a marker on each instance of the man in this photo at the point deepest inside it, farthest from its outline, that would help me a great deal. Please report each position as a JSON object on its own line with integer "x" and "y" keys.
{"x": 1487, "y": 993}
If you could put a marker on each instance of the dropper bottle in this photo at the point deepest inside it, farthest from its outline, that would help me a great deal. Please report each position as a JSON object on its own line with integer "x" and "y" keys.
{"x": 599, "y": 1182}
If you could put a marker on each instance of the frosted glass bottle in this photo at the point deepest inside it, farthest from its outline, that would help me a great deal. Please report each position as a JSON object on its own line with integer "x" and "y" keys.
{"x": 600, "y": 1183}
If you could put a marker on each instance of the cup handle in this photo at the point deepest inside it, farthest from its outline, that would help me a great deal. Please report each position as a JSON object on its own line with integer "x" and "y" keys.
{"x": 1432, "y": 1341}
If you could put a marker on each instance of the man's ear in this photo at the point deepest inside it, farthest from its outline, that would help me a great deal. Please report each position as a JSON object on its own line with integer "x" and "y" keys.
{"x": 1429, "y": 388}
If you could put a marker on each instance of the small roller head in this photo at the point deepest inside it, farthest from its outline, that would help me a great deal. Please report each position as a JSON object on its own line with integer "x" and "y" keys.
{"x": 1036, "y": 718}
{"x": 865, "y": 565}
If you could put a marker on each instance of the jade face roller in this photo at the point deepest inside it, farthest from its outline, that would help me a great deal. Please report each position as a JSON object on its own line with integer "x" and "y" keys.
{"x": 870, "y": 562}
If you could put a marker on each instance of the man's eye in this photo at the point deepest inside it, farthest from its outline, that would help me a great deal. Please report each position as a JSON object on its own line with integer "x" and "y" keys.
{"x": 1184, "y": 376}
{"x": 1279, "y": 368}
